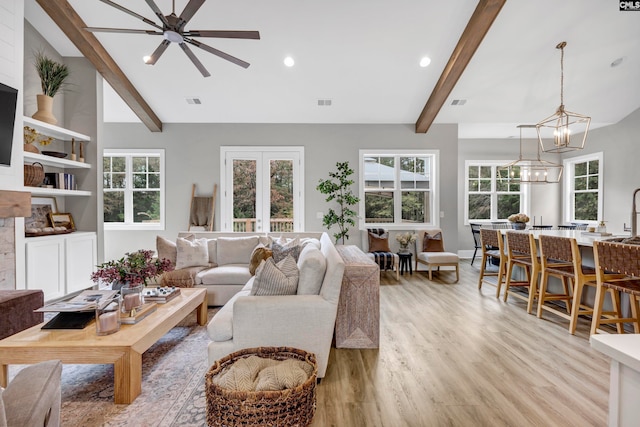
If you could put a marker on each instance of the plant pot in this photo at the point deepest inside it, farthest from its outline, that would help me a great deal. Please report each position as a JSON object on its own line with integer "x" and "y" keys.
{"x": 45, "y": 110}
{"x": 30, "y": 148}
{"x": 518, "y": 225}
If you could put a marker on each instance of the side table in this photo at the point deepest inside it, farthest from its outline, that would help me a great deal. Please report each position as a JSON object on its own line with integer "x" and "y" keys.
{"x": 405, "y": 262}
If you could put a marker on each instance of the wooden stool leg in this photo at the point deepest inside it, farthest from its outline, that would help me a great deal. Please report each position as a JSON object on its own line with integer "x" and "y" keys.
{"x": 457, "y": 274}
{"x": 508, "y": 283}
{"x": 501, "y": 273}
{"x": 483, "y": 266}
{"x": 597, "y": 309}
{"x": 634, "y": 313}
{"x": 533, "y": 287}
{"x": 575, "y": 306}
{"x": 542, "y": 295}
{"x": 566, "y": 284}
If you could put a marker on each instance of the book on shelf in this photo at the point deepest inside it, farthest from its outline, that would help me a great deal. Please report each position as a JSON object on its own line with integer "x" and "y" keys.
{"x": 161, "y": 295}
{"x": 61, "y": 180}
{"x": 87, "y": 300}
{"x": 129, "y": 318}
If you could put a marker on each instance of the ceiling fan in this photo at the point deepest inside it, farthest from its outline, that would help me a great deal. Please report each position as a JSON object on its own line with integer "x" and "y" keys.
{"x": 173, "y": 30}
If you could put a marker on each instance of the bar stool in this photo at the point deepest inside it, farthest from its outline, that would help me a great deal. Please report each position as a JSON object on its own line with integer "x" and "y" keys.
{"x": 475, "y": 232}
{"x": 561, "y": 257}
{"x": 521, "y": 251}
{"x": 617, "y": 270}
{"x": 492, "y": 249}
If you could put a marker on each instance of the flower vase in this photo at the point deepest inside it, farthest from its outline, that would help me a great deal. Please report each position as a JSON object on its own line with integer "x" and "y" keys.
{"x": 45, "y": 109}
{"x": 404, "y": 249}
{"x": 518, "y": 225}
{"x": 132, "y": 298}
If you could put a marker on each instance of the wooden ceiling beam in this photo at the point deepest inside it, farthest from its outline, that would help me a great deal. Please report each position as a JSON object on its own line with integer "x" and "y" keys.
{"x": 477, "y": 27}
{"x": 72, "y": 25}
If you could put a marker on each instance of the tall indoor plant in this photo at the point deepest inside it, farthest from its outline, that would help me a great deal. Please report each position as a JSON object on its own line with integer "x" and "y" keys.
{"x": 338, "y": 188}
{"x": 52, "y": 76}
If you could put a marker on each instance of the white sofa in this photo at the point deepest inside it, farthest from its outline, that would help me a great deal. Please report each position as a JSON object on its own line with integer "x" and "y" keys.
{"x": 304, "y": 321}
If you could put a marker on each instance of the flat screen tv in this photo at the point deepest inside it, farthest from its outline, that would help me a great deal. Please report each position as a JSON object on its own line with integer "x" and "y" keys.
{"x": 8, "y": 99}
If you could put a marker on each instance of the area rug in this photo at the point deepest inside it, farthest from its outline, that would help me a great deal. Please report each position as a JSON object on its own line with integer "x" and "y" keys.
{"x": 173, "y": 393}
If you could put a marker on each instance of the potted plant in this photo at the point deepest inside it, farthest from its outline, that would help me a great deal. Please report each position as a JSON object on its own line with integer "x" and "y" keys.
{"x": 518, "y": 221}
{"x": 338, "y": 188}
{"x": 31, "y": 136}
{"x": 404, "y": 239}
{"x": 134, "y": 268}
{"x": 52, "y": 76}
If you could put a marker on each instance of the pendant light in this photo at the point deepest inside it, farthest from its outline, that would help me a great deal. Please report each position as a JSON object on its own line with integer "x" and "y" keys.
{"x": 533, "y": 171}
{"x": 564, "y": 131}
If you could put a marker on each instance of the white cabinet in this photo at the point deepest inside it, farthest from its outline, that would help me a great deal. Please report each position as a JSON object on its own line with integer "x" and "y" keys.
{"x": 61, "y": 264}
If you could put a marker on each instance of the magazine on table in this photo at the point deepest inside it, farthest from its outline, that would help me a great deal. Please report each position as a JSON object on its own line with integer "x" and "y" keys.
{"x": 84, "y": 301}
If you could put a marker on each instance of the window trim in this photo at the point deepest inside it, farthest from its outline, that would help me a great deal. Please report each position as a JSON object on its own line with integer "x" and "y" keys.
{"x": 525, "y": 198}
{"x": 434, "y": 188}
{"x": 129, "y": 153}
{"x": 568, "y": 212}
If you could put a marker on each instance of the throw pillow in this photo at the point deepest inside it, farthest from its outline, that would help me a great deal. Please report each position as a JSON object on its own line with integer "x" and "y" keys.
{"x": 191, "y": 254}
{"x": 432, "y": 243}
{"x": 183, "y": 278}
{"x": 379, "y": 243}
{"x": 167, "y": 248}
{"x": 260, "y": 253}
{"x": 281, "y": 252}
{"x": 276, "y": 279}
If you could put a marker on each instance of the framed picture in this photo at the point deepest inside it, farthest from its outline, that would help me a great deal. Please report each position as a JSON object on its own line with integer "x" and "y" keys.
{"x": 51, "y": 201}
{"x": 62, "y": 220}
{"x": 40, "y": 217}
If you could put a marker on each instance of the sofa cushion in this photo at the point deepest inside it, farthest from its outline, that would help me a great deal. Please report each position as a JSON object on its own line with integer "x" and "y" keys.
{"x": 235, "y": 250}
{"x": 259, "y": 254}
{"x": 249, "y": 284}
{"x": 230, "y": 274}
{"x": 312, "y": 266}
{"x": 183, "y": 278}
{"x": 191, "y": 253}
{"x": 276, "y": 279}
{"x": 438, "y": 257}
{"x": 220, "y": 328}
{"x": 213, "y": 251}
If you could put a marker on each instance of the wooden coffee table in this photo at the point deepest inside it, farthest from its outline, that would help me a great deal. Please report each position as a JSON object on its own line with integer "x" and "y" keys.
{"x": 123, "y": 349}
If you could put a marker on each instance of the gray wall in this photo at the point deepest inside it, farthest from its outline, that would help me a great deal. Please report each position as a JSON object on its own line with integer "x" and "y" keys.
{"x": 193, "y": 156}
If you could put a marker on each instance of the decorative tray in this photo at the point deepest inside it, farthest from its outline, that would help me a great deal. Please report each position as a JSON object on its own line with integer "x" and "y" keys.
{"x": 54, "y": 154}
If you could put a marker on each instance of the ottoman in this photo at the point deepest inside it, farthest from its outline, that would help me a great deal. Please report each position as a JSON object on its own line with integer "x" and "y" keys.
{"x": 16, "y": 310}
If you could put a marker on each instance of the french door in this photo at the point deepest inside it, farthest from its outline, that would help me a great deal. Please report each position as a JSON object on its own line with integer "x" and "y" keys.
{"x": 262, "y": 189}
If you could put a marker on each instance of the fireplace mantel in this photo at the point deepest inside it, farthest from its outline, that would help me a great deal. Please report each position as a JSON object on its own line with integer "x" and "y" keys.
{"x": 15, "y": 204}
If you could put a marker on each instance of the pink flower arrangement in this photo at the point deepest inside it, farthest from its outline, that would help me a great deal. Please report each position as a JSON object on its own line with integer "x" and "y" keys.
{"x": 134, "y": 268}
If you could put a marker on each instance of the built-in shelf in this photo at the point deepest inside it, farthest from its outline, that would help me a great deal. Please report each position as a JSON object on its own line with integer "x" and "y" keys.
{"x": 42, "y": 191}
{"x": 55, "y": 161}
{"x": 55, "y": 131}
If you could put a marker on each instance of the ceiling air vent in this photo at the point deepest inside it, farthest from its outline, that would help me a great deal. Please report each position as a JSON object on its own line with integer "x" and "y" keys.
{"x": 458, "y": 102}
{"x": 324, "y": 103}
{"x": 193, "y": 101}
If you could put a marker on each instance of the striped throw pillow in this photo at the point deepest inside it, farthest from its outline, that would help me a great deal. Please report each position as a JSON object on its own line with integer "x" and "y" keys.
{"x": 276, "y": 279}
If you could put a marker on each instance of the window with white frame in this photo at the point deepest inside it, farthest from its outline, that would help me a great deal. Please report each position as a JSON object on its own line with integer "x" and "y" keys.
{"x": 491, "y": 194}
{"x": 398, "y": 188}
{"x": 133, "y": 189}
{"x": 583, "y": 188}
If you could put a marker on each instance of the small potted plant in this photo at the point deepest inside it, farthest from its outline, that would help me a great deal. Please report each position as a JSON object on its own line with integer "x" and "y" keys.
{"x": 404, "y": 239}
{"x": 52, "y": 76}
{"x": 31, "y": 136}
{"x": 135, "y": 268}
{"x": 518, "y": 221}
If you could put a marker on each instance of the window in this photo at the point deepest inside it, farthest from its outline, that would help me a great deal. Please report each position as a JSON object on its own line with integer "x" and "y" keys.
{"x": 133, "y": 189}
{"x": 492, "y": 194}
{"x": 398, "y": 188}
{"x": 262, "y": 188}
{"x": 583, "y": 188}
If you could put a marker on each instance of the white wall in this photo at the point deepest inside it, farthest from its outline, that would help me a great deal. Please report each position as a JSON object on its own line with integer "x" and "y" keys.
{"x": 193, "y": 153}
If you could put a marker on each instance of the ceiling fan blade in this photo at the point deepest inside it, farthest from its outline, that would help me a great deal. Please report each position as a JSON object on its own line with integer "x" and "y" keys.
{"x": 195, "y": 60}
{"x": 121, "y": 30}
{"x": 217, "y": 52}
{"x": 253, "y": 35}
{"x": 157, "y": 11}
{"x": 158, "y": 52}
{"x": 132, "y": 13}
{"x": 189, "y": 10}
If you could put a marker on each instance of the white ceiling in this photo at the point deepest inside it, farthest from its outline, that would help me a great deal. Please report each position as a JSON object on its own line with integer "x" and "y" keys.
{"x": 364, "y": 54}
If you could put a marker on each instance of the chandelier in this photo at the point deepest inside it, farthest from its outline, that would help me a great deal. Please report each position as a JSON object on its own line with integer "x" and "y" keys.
{"x": 530, "y": 170}
{"x": 564, "y": 131}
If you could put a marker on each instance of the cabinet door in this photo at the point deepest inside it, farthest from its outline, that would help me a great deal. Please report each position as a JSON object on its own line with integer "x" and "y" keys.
{"x": 81, "y": 259}
{"x": 45, "y": 267}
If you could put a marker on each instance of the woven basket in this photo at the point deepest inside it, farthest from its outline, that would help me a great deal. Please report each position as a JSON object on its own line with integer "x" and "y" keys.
{"x": 33, "y": 174}
{"x": 290, "y": 407}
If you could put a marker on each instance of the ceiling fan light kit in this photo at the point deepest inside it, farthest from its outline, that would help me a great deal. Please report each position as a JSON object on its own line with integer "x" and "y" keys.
{"x": 172, "y": 29}
{"x": 563, "y": 131}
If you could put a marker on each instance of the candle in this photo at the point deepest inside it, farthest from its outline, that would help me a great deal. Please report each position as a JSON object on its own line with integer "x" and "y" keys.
{"x": 131, "y": 301}
{"x": 108, "y": 321}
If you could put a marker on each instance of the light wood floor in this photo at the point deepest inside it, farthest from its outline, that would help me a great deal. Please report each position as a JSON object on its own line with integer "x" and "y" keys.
{"x": 451, "y": 355}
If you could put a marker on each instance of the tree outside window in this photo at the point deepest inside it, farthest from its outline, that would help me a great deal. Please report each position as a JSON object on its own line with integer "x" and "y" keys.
{"x": 492, "y": 194}
{"x": 583, "y": 188}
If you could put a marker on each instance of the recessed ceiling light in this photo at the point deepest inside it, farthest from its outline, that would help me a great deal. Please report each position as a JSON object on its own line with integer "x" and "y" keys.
{"x": 146, "y": 59}
{"x": 289, "y": 62}
{"x": 424, "y": 62}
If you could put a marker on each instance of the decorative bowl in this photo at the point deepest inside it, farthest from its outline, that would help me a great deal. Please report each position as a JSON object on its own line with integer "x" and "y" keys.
{"x": 55, "y": 154}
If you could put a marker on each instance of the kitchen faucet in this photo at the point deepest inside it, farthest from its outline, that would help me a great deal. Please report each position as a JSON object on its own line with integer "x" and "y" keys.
{"x": 634, "y": 215}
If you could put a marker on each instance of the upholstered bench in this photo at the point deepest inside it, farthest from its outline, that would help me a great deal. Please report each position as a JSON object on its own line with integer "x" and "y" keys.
{"x": 16, "y": 310}
{"x": 430, "y": 252}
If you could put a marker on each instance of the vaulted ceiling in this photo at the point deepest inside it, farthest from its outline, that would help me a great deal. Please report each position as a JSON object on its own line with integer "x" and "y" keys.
{"x": 364, "y": 56}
